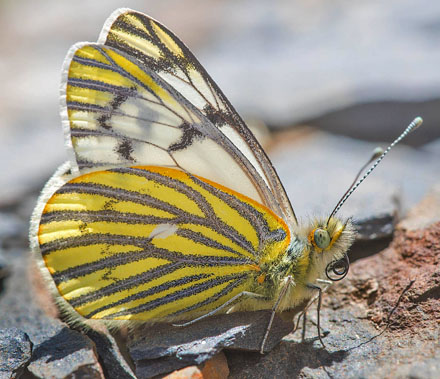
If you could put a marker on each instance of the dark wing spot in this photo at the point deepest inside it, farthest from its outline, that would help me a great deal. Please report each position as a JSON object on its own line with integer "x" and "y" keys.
{"x": 114, "y": 104}
{"x": 83, "y": 227}
{"x": 108, "y": 205}
{"x": 217, "y": 117}
{"x": 125, "y": 149}
{"x": 102, "y": 120}
{"x": 189, "y": 135}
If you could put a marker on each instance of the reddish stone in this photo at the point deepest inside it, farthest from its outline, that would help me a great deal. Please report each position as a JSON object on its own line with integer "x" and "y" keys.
{"x": 216, "y": 367}
{"x": 191, "y": 372}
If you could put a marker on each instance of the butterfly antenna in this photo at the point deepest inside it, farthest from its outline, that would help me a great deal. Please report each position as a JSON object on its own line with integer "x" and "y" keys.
{"x": 378, "y": 151}
{"x": 378, "y": 155}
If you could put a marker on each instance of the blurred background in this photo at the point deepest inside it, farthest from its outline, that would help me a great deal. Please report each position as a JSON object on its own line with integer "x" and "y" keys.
{"x": 363, "y": 69}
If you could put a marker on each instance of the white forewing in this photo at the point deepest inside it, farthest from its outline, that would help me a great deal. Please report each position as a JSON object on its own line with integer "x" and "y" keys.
{"x": 139, "y": 97}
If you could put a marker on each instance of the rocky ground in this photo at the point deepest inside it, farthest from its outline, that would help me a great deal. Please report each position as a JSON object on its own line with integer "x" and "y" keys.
{"x": 317, "y": 65}
{"x": 381, "y": 321}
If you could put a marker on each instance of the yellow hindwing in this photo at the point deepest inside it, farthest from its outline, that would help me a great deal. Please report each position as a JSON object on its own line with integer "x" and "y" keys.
{"x": 154, "y": 243}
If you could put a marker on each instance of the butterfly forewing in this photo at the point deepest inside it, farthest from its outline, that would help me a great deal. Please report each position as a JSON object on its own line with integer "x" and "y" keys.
{"x": 140, "y": 97}
{"x": 150, "y": 243}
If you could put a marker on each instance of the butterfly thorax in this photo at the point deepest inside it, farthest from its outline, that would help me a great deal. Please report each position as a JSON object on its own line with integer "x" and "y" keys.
{"x": 305, "y": 261}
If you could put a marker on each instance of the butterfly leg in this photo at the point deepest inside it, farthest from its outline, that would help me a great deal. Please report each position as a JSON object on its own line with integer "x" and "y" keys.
{"x": 303, "y": 331}
{"x": 318, "y": 319}
{"x": 300, "y": 315}
{"x": 214, "y": 311}
{"x": 283, "y": 291}
{"x": 303, "y": 314}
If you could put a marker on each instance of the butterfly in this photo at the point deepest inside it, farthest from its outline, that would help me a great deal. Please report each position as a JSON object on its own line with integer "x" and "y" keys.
{"x": 168, "y": 208}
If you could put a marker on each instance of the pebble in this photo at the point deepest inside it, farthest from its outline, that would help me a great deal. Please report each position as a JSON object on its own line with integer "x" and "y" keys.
{"x": 15, "y": 352}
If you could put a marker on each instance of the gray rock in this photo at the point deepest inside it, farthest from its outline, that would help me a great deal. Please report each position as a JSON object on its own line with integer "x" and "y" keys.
{"x": 13, "y": 230}
{"x": 429, "y": 368}
{"x": 426, "y": 213}
{"x": 383, "y": 120}
{"x": 15, "y": 352}
{"x": 58, "y": 351}
{"x": 113, "y": 362}
{"x": 61, "y": 352}
{"x": 295, "y": 357}
{"x": 163, "y": 348}
{"x": 4, "y": 271}
{"x": 354, "y": 349}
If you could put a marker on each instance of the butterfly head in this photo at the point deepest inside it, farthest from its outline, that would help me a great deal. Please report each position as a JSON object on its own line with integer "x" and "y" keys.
{"x": 323, "y": 235}
{"x": 329, "y": 241}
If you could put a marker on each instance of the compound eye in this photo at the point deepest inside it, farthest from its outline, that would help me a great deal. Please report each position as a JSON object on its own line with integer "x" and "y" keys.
{"x": 321, "y": 238}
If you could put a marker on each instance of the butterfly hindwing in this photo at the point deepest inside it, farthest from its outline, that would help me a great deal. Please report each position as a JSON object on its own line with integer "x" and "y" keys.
{"x": 151, "y": 243}
{"x": 139, "y": 96}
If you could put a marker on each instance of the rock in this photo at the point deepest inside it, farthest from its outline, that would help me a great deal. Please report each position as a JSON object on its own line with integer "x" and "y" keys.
{"x": 413, "y": 263}
{"x": 58, "y": 351}
{"x": 61, "y": 352}
{"x": 382, "y": 121}
{"x": 215, "y": 368}
{"x": 13, "y": 231}
{"x": 4, "y": 270}
{"x": 428, "y": 368}
{"x": 190, "y": 372}
{"x": 425, "y": 214}
{"x": 163, "y": 348}
{"x": 15, "y": 352}
{"x": 113, "y": 362}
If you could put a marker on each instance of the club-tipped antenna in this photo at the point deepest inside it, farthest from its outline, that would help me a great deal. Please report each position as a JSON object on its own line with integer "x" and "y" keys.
{"x": 378, "y": 154}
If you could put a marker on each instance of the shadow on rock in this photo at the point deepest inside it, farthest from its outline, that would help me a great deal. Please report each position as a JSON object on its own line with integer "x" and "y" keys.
{"x": 288, "y": 360}
{"x": 57, "y": 347}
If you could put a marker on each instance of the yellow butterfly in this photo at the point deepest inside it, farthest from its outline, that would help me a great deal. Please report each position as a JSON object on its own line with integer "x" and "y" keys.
{"x": 168, "y": 208}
